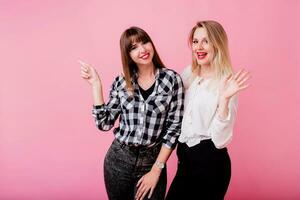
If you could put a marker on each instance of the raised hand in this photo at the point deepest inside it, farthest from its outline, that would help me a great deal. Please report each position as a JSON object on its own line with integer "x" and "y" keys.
{"x": 89, "y": 73}
{"x": 232, "y": 84}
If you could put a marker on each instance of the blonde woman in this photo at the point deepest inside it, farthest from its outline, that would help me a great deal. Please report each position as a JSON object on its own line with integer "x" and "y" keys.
{"x": 148, "y": 100}
{"x": 204, "y": 167}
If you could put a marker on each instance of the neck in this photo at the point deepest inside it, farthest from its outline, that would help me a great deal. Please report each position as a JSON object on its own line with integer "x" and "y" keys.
{"x": 145, "y": 71}
{"x": 207, "y": 71}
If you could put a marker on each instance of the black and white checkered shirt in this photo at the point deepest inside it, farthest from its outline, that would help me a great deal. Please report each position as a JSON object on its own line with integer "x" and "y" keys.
{"x": 144, "y": 122}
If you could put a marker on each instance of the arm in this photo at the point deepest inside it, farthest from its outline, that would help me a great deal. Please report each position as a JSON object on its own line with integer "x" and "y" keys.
{"x": 105, "y": 114}
{"x": 221, "y": 127}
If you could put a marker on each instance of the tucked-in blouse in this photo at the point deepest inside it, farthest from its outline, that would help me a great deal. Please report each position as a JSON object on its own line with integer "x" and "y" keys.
{"x": 201, "y": 120}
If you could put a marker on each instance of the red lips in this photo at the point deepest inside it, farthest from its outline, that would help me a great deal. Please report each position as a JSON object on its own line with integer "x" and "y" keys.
{"x": 145, "y": 56}
{"x": 201, "y": 55}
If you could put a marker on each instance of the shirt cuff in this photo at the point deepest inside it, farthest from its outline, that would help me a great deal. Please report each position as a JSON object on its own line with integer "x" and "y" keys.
{"x": 169, "y": 145}
{"x": 98, "y": 106}
{"x": 98, "y": 111}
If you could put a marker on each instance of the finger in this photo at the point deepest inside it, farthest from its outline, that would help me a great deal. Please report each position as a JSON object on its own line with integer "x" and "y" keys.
{"x": 141, "y": 187}
{"x": 151, "y": 192}
{"x": 84, "y": 72}
{"x": 140, "y": 192}
{"x": 140, "y": 181}
{"x": 229, "y": 78}
{"x": 242, "y": 75}
{"x": 83, "y": 68}
{"x": 85, "y": 77}
{"x": 84, "y": 64}
{"x": 144, "y": 194}
{"x": 244, "y": 87}
{"x": 238, "y": 73}
{"x": 242, "y": 82}
{"x": 81, "y": 62}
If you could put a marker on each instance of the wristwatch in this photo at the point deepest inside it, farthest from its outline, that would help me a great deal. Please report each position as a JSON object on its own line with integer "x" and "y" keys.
{"x": 160, "y": 165}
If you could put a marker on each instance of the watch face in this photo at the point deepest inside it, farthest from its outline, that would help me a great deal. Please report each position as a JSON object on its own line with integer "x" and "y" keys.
{"x": 160, "y": 165}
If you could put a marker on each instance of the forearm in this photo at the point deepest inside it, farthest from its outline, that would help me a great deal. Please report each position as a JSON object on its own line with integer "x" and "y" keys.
{"x": 223, "y": 109}
{"x": 97, "y": 94}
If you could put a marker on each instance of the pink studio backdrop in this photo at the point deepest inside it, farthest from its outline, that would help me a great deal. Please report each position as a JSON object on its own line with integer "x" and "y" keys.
{"x": 50, "y": 148}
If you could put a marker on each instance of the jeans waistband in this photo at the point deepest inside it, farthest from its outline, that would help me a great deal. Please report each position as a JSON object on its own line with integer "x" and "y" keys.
{"x": 138, "y": 148}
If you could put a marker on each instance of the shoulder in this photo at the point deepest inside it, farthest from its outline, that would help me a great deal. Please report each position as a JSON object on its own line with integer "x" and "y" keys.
{"x": 187, "y": 71}
{"x": 169, "y": 72}
{"x": 187, "y": 77}
{"x": 119, "y": 82}
{"x": 171, "y": 75}
{"x": 169, "y": 80}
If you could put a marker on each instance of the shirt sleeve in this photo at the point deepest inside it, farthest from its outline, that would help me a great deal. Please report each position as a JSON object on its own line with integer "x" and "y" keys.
{"x": 106, "y": 114}
{"x": 221, "y": 130}
{"x": 175, "y": 114}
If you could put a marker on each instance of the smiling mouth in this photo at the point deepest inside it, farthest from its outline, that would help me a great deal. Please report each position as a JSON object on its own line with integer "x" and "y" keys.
{"x": 201, "y": 55}
{"x": 145, "y": 56}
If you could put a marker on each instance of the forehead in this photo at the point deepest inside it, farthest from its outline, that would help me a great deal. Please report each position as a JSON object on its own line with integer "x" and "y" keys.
{"x": 200, "y": 33}
{"x": 138, "y": 38}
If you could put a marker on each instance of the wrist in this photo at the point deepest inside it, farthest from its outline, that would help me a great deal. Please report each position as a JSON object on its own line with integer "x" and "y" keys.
{"x": 223, "y": 100}
{"x": 96, "y": 84}
{"x": 158, "y": 166}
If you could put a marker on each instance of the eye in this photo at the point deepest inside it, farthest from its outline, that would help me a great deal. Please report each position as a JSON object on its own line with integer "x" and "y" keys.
{"x": 132, "y": 47}
{"x": 205, "y": 41}
{"x": 195, "y": 41}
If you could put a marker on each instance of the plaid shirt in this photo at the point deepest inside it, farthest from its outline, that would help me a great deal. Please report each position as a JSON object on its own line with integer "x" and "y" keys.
{"x": 144, "y": 122}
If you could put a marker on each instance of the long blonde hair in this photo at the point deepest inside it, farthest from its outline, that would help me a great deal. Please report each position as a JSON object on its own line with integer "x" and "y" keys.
{"x": 218, "y": 39}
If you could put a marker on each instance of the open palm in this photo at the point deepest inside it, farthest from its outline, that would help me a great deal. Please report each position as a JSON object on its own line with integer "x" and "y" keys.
{"x": 234, "y": 83}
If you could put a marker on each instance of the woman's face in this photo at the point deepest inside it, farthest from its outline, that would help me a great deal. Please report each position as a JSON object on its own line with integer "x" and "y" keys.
{"x": 142, "y": 53}
{"x": 202, "y": 48}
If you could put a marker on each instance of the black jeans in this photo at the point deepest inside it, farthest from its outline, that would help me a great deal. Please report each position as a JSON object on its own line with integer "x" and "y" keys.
{"x": 203, "y": 172}
{"x": 125, "y": 165}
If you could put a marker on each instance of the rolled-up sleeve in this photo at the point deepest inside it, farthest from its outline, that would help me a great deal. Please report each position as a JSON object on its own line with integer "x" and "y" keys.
{"x": 105, "y": 115}
{"x": 175, "y": 114}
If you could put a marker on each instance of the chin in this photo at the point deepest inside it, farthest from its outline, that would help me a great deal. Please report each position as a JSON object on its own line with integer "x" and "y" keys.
{"x": 145, "y": 62}
{"x": 202, "y": 62}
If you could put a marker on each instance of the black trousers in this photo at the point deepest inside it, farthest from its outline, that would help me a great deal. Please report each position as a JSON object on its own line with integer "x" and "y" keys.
{"x": 124, "y": 166}
{"x": 203, "y": 172}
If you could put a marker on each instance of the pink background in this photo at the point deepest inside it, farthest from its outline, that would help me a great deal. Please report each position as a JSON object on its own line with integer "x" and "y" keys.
{"x": 49, "y": 146}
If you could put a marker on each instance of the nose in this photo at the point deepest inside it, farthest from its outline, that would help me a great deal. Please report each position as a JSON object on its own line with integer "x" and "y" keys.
{"x": 199, "y": 45}
{"x": 142, "y": 49}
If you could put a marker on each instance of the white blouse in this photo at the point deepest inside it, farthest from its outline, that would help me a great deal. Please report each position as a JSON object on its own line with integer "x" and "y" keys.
{"x": 200, "y": 119}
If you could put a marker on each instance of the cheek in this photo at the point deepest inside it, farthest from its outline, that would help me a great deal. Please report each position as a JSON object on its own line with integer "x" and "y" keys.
{"x": 150, "y": 49}
{"x": 194, "y": 48}
{"x": 133, "y": 55}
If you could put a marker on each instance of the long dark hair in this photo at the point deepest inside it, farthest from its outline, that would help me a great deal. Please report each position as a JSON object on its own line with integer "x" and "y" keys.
{"x": 128, "y": 37}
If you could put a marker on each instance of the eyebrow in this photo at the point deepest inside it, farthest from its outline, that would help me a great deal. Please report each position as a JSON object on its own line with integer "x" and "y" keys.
{"x": 204, "y": 38}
